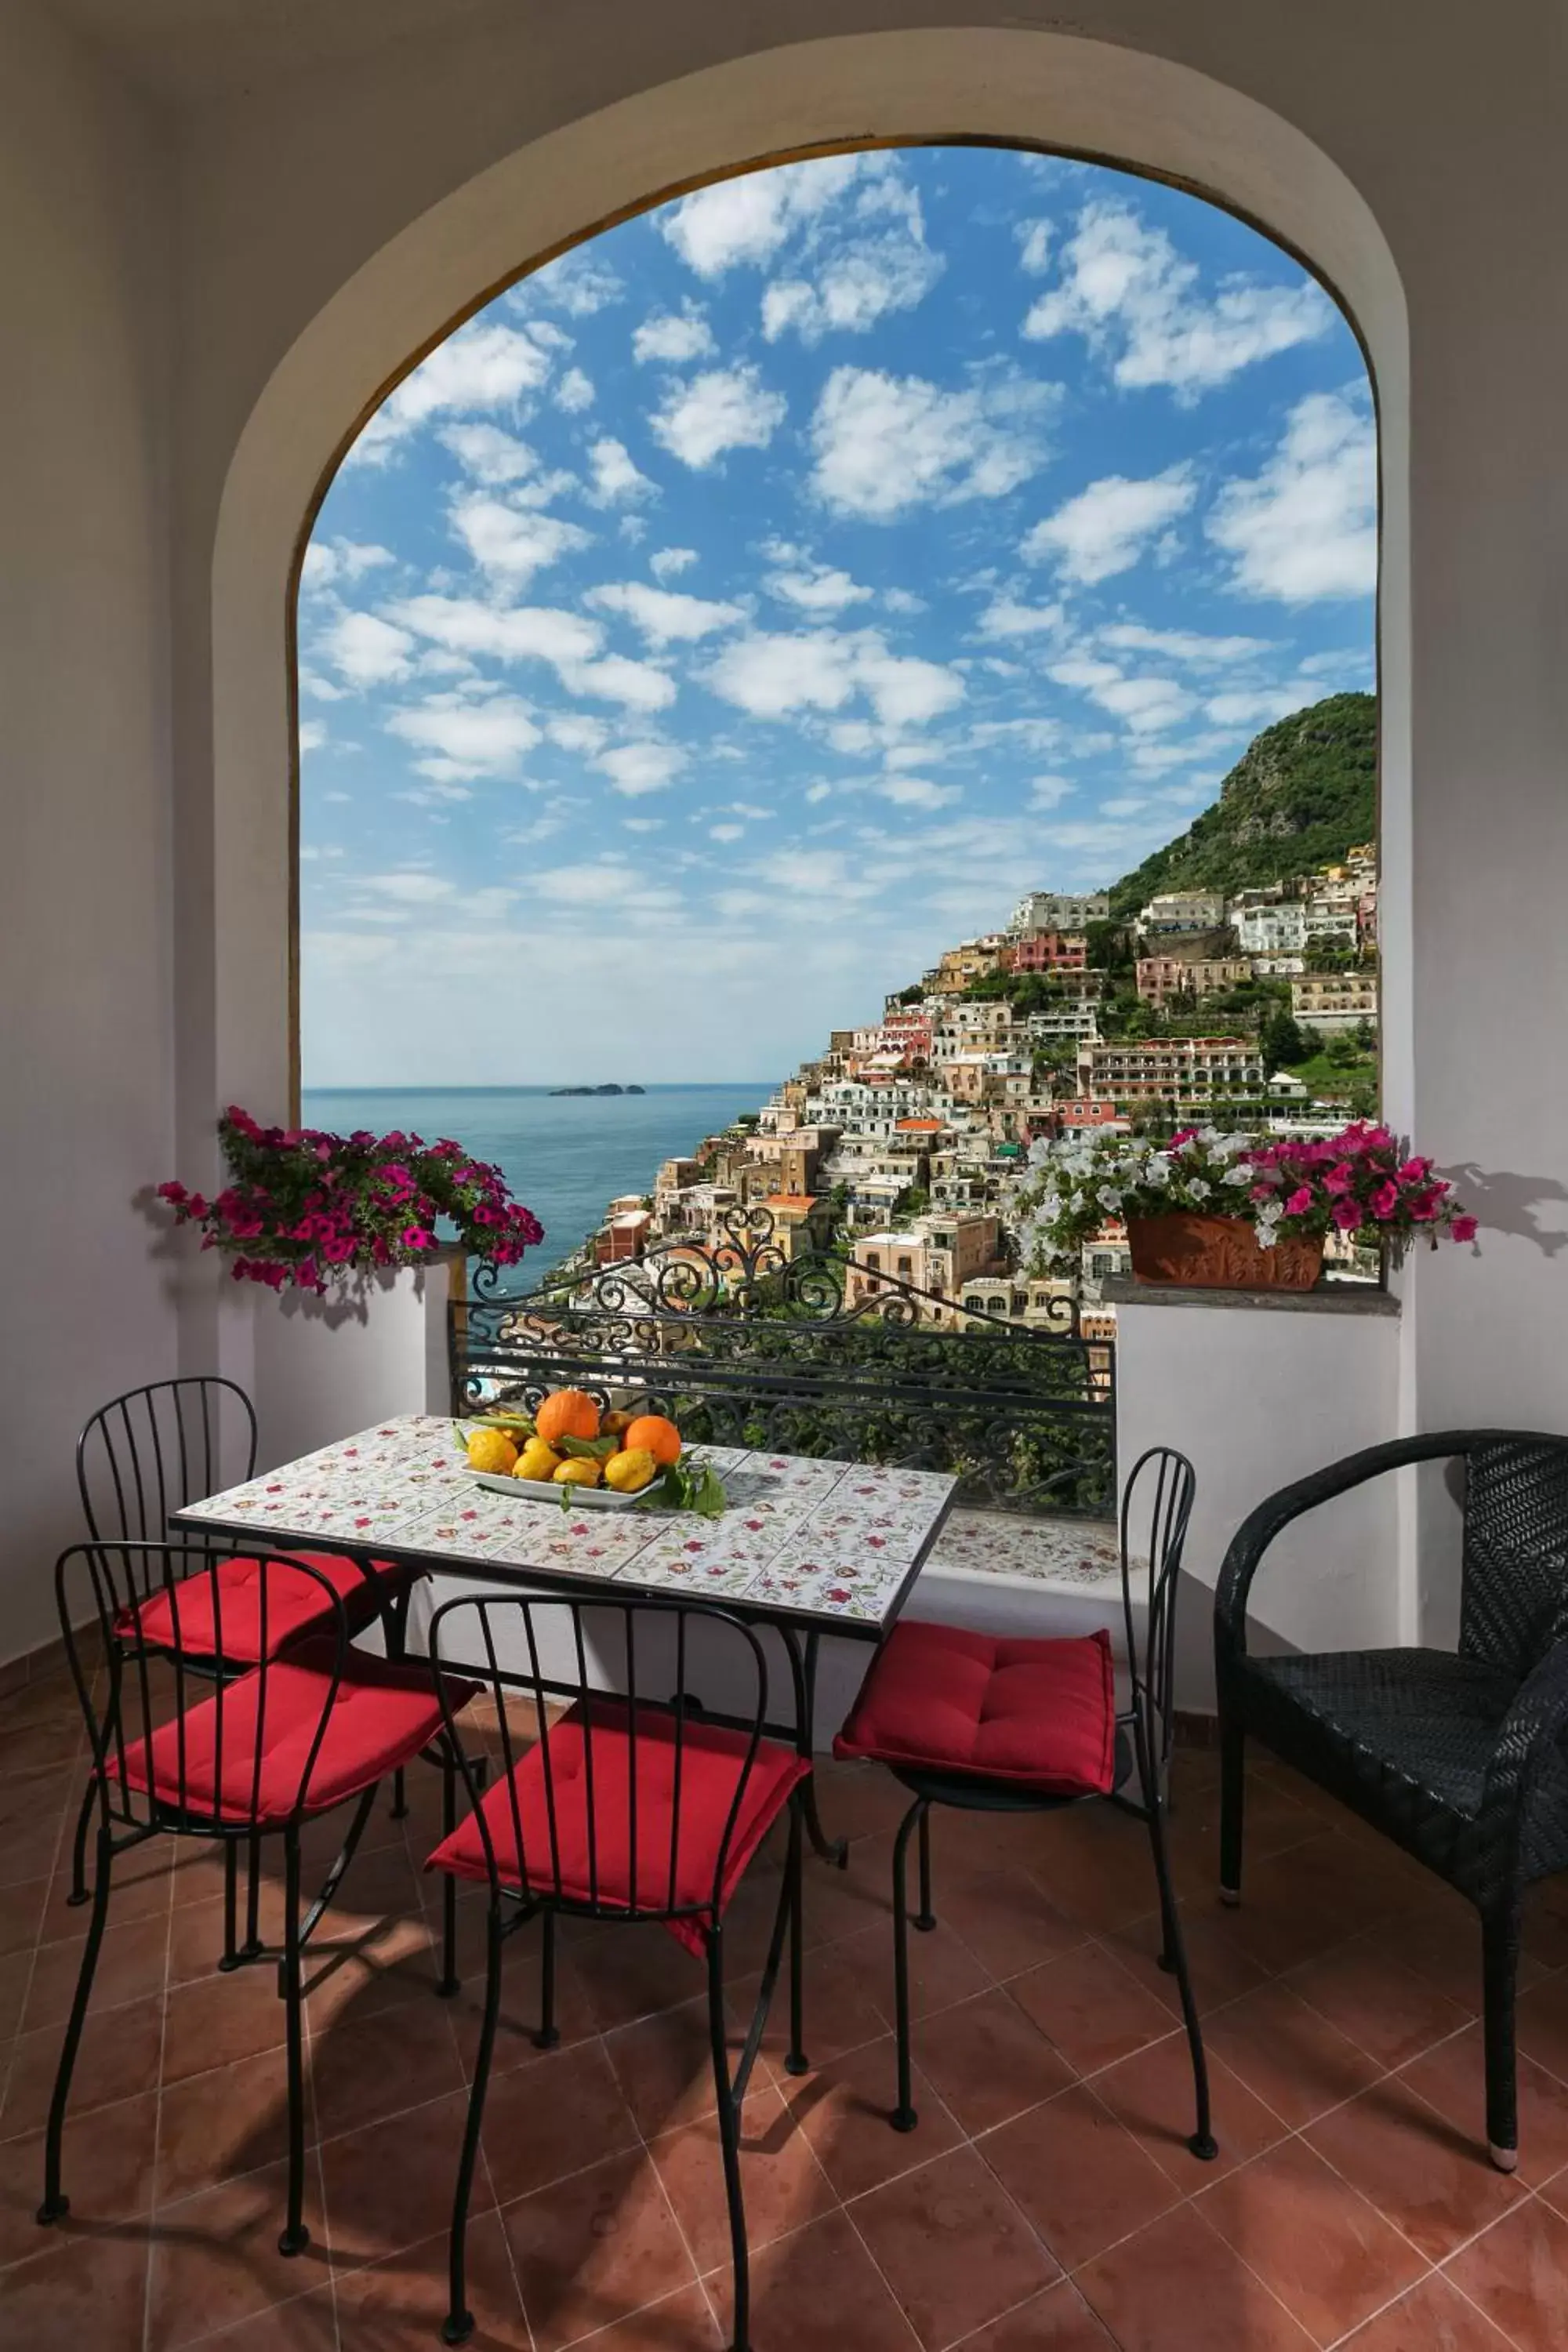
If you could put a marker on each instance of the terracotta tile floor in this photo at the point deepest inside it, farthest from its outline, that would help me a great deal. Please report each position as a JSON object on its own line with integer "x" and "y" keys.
{"x": 1046, "y": 2203}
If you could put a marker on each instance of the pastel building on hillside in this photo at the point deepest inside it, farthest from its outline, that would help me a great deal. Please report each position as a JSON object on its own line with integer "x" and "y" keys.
{"x": 1058, "y": 911}
{"x": 1332, "y": 1001}
{"x": 1163, "y": 976}
{"x": 1174, "y": 912}
{"x": 1048, "y": 952}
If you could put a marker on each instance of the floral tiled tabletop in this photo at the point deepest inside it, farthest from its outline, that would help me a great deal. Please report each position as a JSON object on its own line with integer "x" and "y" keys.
{"x": 832, "y": 1540}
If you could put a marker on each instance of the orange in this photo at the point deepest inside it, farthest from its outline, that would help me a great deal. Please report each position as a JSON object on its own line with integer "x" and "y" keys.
{"x": 567, "y": 1414}
{"x": 651, "y": 1433}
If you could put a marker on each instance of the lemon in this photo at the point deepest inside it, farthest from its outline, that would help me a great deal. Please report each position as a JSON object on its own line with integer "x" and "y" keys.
{"x": 630, "y": 1472}
{"x": 537, "y": 1460}
{"x": 489, "y": 1450}
{"x": 580, "y": 1471}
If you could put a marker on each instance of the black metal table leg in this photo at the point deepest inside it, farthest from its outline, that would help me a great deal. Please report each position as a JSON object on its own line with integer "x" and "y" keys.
{"x": 826, "y": 1849}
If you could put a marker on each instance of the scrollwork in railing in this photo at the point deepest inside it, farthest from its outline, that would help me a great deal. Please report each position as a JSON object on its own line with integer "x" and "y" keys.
{"x": 744, "y": 1343}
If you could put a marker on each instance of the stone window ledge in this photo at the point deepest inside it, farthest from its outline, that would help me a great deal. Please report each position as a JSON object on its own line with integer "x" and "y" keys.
{"x": 1328, "y": 1298}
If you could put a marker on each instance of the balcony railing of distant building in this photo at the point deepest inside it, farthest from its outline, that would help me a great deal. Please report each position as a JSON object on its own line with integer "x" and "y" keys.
{"x": 745, "y": 1344}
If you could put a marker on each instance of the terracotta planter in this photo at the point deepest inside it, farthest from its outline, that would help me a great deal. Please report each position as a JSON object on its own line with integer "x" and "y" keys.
{"x": 1218, "y": 1254}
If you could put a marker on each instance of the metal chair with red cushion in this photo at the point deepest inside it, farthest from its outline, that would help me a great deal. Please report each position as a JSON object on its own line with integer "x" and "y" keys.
{"x": 145, "y": 1455}
{"x": 990, "y": 1725}
{"x": 623, "y": 1808}
{"x": 204, "y": 1745}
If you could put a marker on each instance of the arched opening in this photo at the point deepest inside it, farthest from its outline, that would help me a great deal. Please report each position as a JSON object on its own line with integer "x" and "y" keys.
{"x": 645, "y": 525}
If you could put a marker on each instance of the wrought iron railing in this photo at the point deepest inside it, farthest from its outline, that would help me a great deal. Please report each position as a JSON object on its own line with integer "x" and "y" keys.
{"x": 743, "y": 1343}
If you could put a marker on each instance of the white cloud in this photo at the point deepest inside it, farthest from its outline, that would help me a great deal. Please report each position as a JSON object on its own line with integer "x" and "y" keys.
{"x": 505, "y": 633}
{"x": 614, "y": 474}
{"x": 883, "y": 265}
{"x": 483, "y": 366}
{"x": 1107, "y": 526}
{"x": 488, "y": 454}
{"x": 884, "y": 444}
{"x": 312, "y": 734}
{"x": 725, "y": 832}
{"x": 768, "y": 677}
{"x": 575, "y": 391}
{"x": 409, "y": 888}
{"x": 1145, "y": 705}
{"x": 904, "y": 690}
{"x": 514, "y": 542}
{"x": 464, "y": 737}
{"x": 674, "y": 336}
{"x": 1035, "y": 238}
{"x": 1005, "y": 618}
{"x": 747, "y": 219}
{"x": 810, "y": 586}
{"x": 577, "y": 731}
{"x": 329, "y": 563}
{"x": 579, "y": 282}
{"x": 671, "y": 561}
{"x": 914, "y": 791}
{"x": 665, "y": 616}
{"x": 1049, "y": 792}
{"x": 1253, "y": 706}
{"x": 571, "y": 645}
{"x": 613, "y": 678}
{"x": 773, "y": 675}
{"x": 642, "y": 767}
{"x": 365, "y": 650}
{"x": 1181, "y": 645}
{"x": 1125, "y": 288}
{"x": 642, "y": 823}
{"x": 1306, "y": 527}
{"x": 723, "y": 408}
{"x": 608, "y": 883}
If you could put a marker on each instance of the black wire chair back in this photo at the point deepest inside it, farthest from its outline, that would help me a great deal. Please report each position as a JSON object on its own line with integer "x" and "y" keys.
{"x": 567, "y": 1833}
{"x": 149, "y": 1453}
{"x": 1156, "y": 1507}
{"x": 1514, "y": 1598}
{"x": 151, "y": 1769}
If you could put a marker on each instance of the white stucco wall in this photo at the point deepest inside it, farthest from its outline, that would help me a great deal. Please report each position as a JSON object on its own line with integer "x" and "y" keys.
{"x": 331, "y": 219}
{"x": 85, "y": 906}
{"x": 1256, "y": 1396}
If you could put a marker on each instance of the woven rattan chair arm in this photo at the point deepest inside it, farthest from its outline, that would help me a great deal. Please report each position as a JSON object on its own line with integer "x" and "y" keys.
{"x": 1531, "y": 1730}
{"x": 1258, "y": 1530}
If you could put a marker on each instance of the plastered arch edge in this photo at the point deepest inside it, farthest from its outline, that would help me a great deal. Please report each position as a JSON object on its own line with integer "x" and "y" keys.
{"x": 1028, "y": 88}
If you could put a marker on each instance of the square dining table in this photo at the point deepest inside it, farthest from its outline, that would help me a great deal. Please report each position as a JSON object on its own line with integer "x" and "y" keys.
{"x": 805, "y": 1547}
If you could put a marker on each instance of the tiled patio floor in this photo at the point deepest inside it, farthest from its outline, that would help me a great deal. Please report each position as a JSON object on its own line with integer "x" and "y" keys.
{"x": 1046, "y": 2204}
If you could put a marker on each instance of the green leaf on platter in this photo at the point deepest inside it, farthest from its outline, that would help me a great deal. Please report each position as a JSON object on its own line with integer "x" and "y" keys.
{"x": 588, "y": 1449}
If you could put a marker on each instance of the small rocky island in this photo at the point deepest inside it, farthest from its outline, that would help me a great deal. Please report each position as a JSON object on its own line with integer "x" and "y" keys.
{"x": 596, "y": 1090}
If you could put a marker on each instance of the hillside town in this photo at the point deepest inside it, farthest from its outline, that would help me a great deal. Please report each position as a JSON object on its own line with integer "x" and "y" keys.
{"x": 905, "y": 1146}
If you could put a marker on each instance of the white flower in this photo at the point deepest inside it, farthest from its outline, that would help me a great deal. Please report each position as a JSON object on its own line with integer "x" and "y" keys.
{"x": 1110, "y": 1198}
{"x": 1158, "y": 1170}
{"x": 1240, "y": 1175}
{"x": 1198, "y": 1189}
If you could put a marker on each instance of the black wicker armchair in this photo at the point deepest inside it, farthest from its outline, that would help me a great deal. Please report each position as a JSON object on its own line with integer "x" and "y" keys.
{"x": 1458, "y": 1757}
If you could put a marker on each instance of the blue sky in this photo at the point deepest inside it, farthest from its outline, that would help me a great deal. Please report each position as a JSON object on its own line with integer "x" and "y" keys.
{"x": 759, "y": 599}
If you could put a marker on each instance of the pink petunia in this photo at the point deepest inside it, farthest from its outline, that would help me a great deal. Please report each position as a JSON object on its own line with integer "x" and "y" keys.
{"x": 1340, "y": 1179}
{"x": 1464, "y": 1228}
{"x": 1299, "y": 1201}
{"x": 1384, "y": 1201}
{"x": 1347, "y": 1215}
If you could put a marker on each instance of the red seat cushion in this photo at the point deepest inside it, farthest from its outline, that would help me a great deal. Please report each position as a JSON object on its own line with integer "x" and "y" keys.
{"x": 712, "y": 1760}
{"x": 206, "y": 1761}
{"x": 182, "y": 1615}
{"x": 1040, "y": 1713}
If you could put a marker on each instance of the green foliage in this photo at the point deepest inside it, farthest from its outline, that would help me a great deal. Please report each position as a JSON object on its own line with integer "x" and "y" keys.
{"x": 1110, "y": 946}
{"x": 1302, "y": 794}
{"x": 1282, "y": 1042}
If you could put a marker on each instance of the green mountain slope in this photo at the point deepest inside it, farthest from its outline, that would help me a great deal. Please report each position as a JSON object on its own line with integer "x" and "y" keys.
{"x": 1303, "y": 793}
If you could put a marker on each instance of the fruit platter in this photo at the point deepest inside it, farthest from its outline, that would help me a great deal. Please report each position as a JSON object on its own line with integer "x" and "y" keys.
{"x": 570, "y": 1452}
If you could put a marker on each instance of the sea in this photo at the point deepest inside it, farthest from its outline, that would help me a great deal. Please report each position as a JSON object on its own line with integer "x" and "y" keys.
{"x": 563, "y": 1156}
